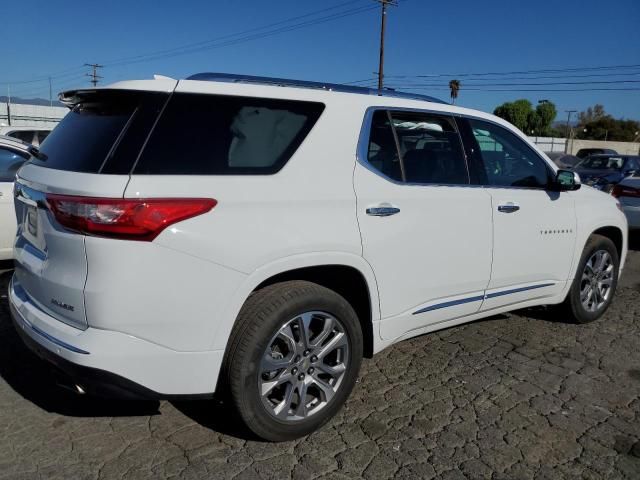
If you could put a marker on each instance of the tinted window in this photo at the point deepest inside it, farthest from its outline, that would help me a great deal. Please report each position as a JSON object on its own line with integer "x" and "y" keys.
{"x": 507, "y": 159}
{"x": 602, "y": 162}
{"x": 417, "y": 148}
{"x": 92, "y": 134}
{"x": 382, "y": 153}
{"x": 225, "y": 135}
{"x": 10, "y": 162}
{"x": 24, "y": 135}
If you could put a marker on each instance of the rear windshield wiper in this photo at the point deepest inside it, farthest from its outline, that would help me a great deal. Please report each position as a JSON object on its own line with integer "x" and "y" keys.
{"x": 37, "y": 153}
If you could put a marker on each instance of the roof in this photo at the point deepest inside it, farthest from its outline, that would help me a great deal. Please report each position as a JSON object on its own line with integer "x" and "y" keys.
{"x": 286, "y": 82}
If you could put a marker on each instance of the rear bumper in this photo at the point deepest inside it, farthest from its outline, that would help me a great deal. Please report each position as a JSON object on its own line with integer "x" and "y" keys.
{"x": 633, "y": 215}
{"x": 112, "y": 363}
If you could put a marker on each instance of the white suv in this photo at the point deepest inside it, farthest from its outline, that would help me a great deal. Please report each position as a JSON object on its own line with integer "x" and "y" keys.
{"x": 257, "y": 237}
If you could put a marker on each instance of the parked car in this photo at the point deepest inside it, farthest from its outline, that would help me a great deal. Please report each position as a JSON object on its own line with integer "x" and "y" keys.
{"x": 260, "y": 249}
{"x": 563, "y": 160}
{"x": 604, "y": 171}
{"x": 628, "y": 193}
{"x": 585, "y": 152}
{"x": 31, "y": 135}
{"x": 13, "y": 153}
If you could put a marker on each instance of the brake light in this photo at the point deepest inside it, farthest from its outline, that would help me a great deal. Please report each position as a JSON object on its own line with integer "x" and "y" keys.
{"x": 625, "y": 191}
{"x": 127, "y": 219}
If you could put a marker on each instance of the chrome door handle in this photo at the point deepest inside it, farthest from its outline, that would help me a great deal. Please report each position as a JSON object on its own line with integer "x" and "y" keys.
{"x": 382, "y": 211}
{"x": 508, "y": 207}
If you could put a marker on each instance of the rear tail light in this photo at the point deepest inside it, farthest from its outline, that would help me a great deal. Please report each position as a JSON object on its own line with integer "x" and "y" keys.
{"x": 625, "y": 191}
{"x": 127, "y": 219}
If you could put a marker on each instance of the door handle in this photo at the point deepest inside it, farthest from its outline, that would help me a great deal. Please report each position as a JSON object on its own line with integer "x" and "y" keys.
{"x": 509, "y": 207}
{"x": 382, "y": 211}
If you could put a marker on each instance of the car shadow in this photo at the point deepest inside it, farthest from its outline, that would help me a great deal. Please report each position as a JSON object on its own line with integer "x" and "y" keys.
{"x": 634, "y": 240}
{"x": 38, "y": 382}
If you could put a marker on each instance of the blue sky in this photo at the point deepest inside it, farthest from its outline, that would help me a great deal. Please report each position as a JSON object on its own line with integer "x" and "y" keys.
{"x": 424, "y": 38}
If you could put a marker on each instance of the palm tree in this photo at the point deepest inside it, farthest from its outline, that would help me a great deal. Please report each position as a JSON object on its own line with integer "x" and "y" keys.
{"x": 454, "y": 85}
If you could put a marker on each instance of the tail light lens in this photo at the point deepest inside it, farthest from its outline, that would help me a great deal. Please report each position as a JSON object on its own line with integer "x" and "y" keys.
{"x": 127, "y": 219}
{"x": 625, "y": 191}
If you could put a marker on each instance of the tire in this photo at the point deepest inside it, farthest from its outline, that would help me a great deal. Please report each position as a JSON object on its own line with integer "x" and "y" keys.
{"x": 267, "y": 335}
{"x": 573, "y": 304}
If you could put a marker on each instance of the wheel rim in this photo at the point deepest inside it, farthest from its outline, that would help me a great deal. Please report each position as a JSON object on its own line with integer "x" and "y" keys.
{"x": 597, "y": 280}
{"x": 303, "y": 366}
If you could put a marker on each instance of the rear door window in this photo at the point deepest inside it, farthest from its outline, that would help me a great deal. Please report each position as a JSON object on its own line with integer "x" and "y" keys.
{"x": 92, "y": 137}
{"x": 226, "y": 135}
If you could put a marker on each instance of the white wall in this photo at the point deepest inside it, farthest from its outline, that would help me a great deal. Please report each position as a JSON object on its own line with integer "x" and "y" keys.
{"x": 32, "y": 115}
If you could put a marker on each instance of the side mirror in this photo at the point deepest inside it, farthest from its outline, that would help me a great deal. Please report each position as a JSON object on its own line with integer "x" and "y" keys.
{"x": 567, "y": 180}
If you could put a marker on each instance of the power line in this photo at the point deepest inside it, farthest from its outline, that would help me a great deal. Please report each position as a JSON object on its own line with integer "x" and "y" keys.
{"x": 529, "y": 90}
{"x": 517, "y": 84}
{"x": 224, "y": 37}
{"x": 211, "y": 44}
{"x": 521, "y": 72}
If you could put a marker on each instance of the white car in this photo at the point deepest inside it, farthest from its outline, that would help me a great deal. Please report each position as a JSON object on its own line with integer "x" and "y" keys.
{"x": 13, "y": 153}
{"x": 257, "y": 237}
{"x": 628, "y": 193}
{"x": 28, "y": 134}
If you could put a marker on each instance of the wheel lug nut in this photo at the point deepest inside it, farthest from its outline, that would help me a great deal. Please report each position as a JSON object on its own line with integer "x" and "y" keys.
{"x": 306, "y": 352}
{"x": 301, "y": 377}
{"x": 314, "y": 358}
{"x": 294, "y": 370}
{"x": 311, "y": 370}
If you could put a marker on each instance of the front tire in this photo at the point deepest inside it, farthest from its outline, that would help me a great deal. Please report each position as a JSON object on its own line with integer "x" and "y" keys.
{"x": 596, "y": 280}
{"x": 293, "y": 359}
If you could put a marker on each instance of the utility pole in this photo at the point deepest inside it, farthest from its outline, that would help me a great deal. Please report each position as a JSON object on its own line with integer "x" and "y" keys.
{"x": 94, "y": 74}
{"x": 383, "y": 26}
{"x": 9, "y": 104}
{"x": 569, "y": 130}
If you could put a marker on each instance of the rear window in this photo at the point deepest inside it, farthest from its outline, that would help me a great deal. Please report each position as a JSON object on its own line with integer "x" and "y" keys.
{"x": 92, "y": 137}
{"x": 225, "y": 135}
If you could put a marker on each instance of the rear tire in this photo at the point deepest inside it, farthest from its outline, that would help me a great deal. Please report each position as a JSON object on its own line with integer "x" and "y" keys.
{"x": 595, "y": 282}
{"x": 293, "y": 359}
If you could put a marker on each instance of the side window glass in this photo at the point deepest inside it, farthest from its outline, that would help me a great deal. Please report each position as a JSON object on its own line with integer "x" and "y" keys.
{"x": 417, "y": 148}
{"x": 382, "y": 153}
{"x": 10, "y": 162}
{"x": 431, "y": 148}
{"x": 508, "y": 160}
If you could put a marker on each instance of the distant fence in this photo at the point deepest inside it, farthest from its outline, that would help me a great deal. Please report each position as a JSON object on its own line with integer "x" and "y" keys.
{"x": 550, "y": 144}
{"x": 19, "y": 114}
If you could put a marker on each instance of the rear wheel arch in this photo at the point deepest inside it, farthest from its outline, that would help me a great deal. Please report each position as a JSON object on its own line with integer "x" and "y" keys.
{"x": 346, "y": 281}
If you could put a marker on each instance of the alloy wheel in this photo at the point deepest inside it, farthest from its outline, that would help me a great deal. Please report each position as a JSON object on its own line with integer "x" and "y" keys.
{"x": 596, "y": 282}
{"x": 303, "y": 366}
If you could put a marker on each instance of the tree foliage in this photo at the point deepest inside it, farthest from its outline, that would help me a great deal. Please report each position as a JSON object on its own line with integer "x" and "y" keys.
{"x": 595, "y": 124}
{"x": 454, "y": 86}
{"x": 522, "y": 114}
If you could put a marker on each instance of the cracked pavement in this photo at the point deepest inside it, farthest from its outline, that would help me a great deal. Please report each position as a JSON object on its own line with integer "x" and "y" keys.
{"x": 515, "y": 396}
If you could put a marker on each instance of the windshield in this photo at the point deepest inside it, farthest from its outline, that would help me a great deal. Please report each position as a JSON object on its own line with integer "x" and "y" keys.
{"x": 603, "y": 163}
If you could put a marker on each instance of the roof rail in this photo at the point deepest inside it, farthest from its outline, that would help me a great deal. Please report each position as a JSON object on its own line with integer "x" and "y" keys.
{"x": 286, "y": 82}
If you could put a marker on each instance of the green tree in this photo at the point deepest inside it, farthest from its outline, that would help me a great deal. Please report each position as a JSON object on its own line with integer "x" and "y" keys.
{"x": 595, "y": 124}
{"x": 518, "y": 113}
{"x": 530, "y": 121}
{"x": 454, "y": 86}
{"x": 545, "y": 115}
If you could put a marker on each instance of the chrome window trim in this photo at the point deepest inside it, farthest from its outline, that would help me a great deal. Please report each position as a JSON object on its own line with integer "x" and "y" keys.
{"x": 362, "y": 148}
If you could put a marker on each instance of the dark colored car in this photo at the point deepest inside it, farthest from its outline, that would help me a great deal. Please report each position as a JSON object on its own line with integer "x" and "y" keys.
{"x": 605, "y": 171}
{"x": 563, "y": 160}
{"x": 585, "y": 152}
